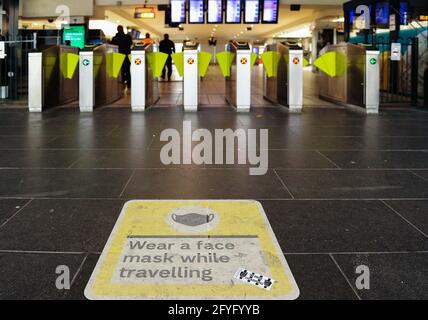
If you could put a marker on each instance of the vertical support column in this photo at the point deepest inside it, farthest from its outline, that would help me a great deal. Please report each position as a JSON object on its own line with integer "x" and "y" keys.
{"x": 314, "y": 53}
{"x": 347, "y": 22}
{"x": 138, "y": 83}
{"x": 295, "y": 81}
{"x": 191, "y": 81}
{"x": 35, "y": 82}
{"x": 372, "y": 82}
{"x": 243, "y": 80}
{"x": 10, "y": 30}
{"x": 394, "y": 34}
{"x": 2, "y": 12}
{"x": 86, "y": 82}
{"x": 414, "y": 76}
{"x": 3, "y": 55}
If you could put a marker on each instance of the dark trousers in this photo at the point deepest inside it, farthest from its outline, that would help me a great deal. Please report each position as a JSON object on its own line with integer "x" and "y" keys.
{"x": 126, "y": 72}
{"x": 168, "y": 65}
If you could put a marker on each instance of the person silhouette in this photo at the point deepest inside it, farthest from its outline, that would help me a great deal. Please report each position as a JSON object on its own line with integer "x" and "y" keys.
{"x": 168, "y": 47}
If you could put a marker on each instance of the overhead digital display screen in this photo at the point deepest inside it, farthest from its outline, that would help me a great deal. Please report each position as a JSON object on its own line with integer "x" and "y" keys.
{"x": 196, "y": 11}
{"x": 270, "y": 11}
{"x": 233, "y": 11}
{"x": 252, "y": 11}
{"x": 382, "y": 13}
{"x": 215, "y": 11}
{"x": 178, "y": 11}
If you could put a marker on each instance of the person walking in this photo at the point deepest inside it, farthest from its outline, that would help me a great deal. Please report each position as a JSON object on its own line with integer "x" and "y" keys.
{"x": 168, "y": 47}
{"x": 124, "y": 42}
{"x": 148, "y": 39}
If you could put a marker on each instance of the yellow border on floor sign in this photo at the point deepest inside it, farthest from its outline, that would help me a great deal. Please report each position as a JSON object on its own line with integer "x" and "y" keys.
{"x": 238, "y": 220}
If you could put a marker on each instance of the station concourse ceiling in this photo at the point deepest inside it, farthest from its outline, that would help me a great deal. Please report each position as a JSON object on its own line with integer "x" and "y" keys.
{"x": 122, "y": 12}
{"x": 288, "y": 20}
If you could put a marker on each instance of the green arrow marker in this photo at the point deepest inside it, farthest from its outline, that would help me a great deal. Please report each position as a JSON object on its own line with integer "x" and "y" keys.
{"x": 86, "y": 62}
{"x": 373, "y": 61}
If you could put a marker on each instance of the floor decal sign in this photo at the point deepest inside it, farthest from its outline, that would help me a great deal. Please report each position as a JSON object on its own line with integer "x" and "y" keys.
{"x": 197, "y": 249}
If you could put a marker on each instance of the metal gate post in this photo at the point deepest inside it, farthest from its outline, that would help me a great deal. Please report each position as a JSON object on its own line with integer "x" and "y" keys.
{"x": 11, "y": 22}
{"x": 35, "y": 82}
{"x": 393, "y": 37}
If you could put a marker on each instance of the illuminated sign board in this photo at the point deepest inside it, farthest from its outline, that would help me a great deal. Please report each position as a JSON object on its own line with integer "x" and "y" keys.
{"x": 252, "y": 11}
{"x": 76, "y": 36}
{"x": 178, "y": 11}
{"x": 215, "y": 11}
{"x": 270, "y": 11}
{"x": 233, "y": 11}
{"x": 196, "y": 11}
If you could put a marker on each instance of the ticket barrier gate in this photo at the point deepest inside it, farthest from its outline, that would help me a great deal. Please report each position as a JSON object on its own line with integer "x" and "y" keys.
{"x": 144, "y": 84}
{"x": 191, "y": 64}
{"x": 350, "y": 76}
{"x": 52, "y": 77}
{"x": 283, "y": 76}
{"x": 191, "y": 79}
{"x": 100, "y": 81}
{"x": 238, "y": 83}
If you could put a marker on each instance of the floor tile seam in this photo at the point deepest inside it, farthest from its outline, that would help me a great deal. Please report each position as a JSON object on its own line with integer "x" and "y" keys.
{"x": 15, "y": 214}
{"x": 344, "y": 276}
{"x": 412, "y": 225}
{"x": 283, "y": 183}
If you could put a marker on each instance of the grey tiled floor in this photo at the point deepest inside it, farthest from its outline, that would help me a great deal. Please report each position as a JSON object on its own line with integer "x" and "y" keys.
{"x": 342, "y": 190}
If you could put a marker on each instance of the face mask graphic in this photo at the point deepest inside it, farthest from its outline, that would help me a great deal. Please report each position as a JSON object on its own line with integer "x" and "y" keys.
{"x": 193, "y": 219}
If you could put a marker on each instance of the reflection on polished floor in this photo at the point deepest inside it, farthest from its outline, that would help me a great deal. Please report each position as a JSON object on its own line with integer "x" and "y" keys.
{"x": 311, "y": 91}
{"x": 342, "y": 190}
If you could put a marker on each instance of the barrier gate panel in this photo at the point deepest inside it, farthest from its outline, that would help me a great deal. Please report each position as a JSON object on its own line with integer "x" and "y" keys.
{"x": 138, "y": 81}
{"x": 295, "y": 82}
{"x": 354, "y": 75}
{"x": 191, "y": 81}
{"x": 86, "y": 82}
